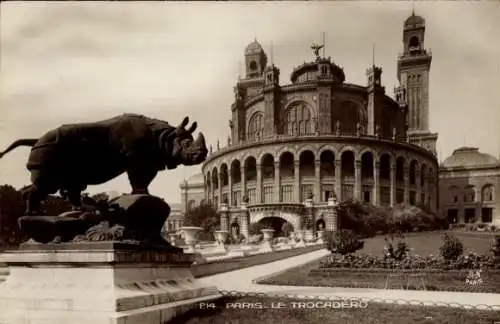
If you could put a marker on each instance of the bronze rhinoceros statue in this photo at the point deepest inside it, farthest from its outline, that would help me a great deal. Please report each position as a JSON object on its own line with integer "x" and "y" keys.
{"x": 71, "y": 157}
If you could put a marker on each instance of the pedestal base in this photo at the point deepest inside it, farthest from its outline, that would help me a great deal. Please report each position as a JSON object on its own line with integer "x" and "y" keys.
{"x": 266, "y": 247}
{"x": 97, "y": 283}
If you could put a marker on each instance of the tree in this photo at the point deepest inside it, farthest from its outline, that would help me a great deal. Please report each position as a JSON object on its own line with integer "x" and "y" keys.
{"x": 11, "y": 208}
{"x": 102, "y": 196}
{"x": 204, "y": 215}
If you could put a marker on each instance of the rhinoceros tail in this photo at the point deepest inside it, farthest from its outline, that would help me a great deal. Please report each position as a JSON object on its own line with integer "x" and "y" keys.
{"x": 21, "y": 142}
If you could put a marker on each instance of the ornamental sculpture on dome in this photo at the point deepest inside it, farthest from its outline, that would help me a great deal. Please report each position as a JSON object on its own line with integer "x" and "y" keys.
{"x": 316, "y": 48}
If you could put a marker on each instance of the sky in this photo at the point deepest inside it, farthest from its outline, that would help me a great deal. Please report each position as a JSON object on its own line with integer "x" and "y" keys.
{"x": 68, "y": 62}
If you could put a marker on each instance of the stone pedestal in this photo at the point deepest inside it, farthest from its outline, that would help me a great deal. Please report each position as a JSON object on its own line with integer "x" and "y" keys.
{"x": 101, "y": 282}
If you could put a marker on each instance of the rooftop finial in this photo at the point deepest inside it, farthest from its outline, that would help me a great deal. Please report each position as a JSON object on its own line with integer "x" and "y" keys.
{"x": 413, "y": 8}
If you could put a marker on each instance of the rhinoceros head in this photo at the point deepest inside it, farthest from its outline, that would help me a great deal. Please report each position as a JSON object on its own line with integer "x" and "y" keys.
{"x": 181, "y": 147}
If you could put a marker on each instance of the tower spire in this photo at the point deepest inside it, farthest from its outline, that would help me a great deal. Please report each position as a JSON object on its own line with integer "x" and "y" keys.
{"x": 272, "y": 53}
{"x": 413, "y": 7}
{"x": 373, "y": 54}
{"x": 324, "y": 44}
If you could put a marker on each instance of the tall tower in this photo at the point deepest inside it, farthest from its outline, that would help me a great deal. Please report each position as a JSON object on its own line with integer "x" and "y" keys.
{"x": 413, "y": 75}
{"x": 375, "y": 92}
{"x": 255, "y": 60}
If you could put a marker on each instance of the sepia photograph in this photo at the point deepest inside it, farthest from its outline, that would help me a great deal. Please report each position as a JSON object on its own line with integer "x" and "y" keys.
{"x": 245, "y": 162}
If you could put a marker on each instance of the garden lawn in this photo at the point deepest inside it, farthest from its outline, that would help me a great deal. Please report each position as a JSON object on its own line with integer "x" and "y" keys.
{"x": 374, "y": 313}
{"x": 421, "y": 243}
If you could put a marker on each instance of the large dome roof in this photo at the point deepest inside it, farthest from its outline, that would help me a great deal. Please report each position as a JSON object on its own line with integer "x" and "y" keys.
{"x": 414, "y": 21}
{"x": 469, "y": 157}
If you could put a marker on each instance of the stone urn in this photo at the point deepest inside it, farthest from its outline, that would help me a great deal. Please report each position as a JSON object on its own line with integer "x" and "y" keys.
{"x": 221, "y": 237}
{"x": 172, "y": 237}
{"x": 267, "y": 245}
{"x": 301, "y": 236}
{"x": 191, "y": 237}
{"x": 268, "y": 234}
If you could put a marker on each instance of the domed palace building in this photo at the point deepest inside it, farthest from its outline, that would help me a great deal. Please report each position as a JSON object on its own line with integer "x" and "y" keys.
{"x": 469, "y": 185}
{"x": 297, "y": 149}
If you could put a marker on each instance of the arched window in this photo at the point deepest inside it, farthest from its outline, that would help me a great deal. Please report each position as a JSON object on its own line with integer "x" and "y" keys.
{"x": 298, "y": 120}
{"x": 414, "y": 42}
{"x": 349, "y": 115}
{"x": 488, "y": 193}
{"x": 470, "y": 194}
{"x": 256, "y": 127}
{"x": 454, "y": 194}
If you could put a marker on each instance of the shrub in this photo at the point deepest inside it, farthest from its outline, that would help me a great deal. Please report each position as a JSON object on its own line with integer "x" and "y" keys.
{"x": 254, "y": 228}
{"x": 451, "y": 248}
{"x": 344, "y": 242}
{"x": 399, "y": 253}
{"x": 495, "y": 246}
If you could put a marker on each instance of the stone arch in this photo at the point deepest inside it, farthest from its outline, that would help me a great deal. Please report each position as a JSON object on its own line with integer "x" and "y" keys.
{"x": 306, "y": 163}
{"x": 367, "y": 164}
{"x": 346, "y": 148}
{"x": 267, "y": 166}
{"x": 250, "y": 164}
{"x": 413, "y": 172}
{"x": 306, "y": 147}
{"x": 224, "y": 174}
{"x": 287, "y": 167}
{"x": 289, "y": 217}
{"x": 400, "y": 168}
{"x": 373, "y": 152}
{"x": 423, "y": 174}
{"x": 328, "y": 147}
{"x": 235, "y": 171}
{"x": 327, "y": 163}
{"x": 386, "y": 160}
{"x": 215, "y": 177}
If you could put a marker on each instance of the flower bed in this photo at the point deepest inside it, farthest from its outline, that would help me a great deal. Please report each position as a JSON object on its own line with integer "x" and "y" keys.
{"x": 467, "y": 261}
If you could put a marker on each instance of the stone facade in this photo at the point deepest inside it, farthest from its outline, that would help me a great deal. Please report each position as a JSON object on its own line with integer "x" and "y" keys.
{"x": 320, "y": 136}
{"x": 469, "y": 186}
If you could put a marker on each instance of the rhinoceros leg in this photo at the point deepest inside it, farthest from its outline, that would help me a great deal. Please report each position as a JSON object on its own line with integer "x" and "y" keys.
{"x": 140, "y": 180}
{"x": 41, "y": 187}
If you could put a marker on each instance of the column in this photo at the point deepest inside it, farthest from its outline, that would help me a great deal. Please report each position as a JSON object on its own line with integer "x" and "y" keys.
{"x": 406, "y": 174}
{"x": 211, "y": 194}
{"x": 229, "y": 188}
{"x": 376, "y": 183}
{"x": 258, "y": 189}
{"x": 296, "y": 175}
{"x": 419, "y": 188}
{"x": 244, "y": 220}
{"x": 317, "y": 181}
{"x": 338, "y": 180}
{"x": 357, "y": 180}
{"x": 277, "y": 182}
{"x": 243, "y": 182}
{"x": 220, "y": 187}
{"x": 393, "y": 184}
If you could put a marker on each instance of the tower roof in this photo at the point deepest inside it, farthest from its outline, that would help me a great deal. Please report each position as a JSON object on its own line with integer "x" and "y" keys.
{"x": 414, "y": 21}
{"x": 253, "y": 47}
